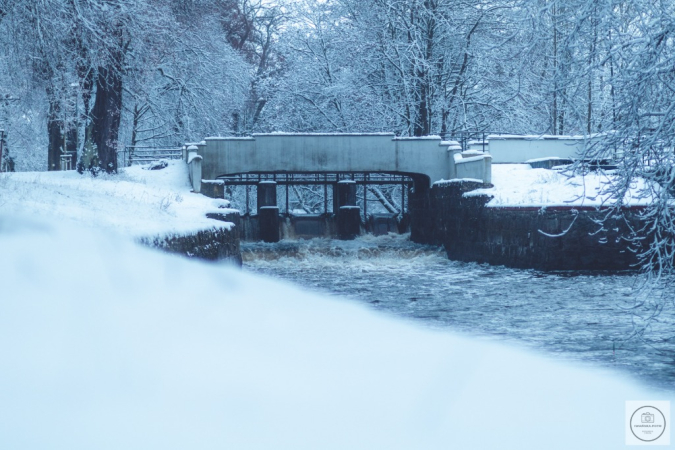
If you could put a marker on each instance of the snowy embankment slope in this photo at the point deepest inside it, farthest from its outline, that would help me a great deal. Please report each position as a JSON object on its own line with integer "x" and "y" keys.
{"x": 108, "y": 345}
{"x": 521, "y": 185}
{"x": 135, "y": 203}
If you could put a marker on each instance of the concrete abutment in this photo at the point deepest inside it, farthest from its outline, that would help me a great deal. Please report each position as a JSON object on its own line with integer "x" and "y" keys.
{"x": 551, "y": 238}
{"x": 543, "y": 238}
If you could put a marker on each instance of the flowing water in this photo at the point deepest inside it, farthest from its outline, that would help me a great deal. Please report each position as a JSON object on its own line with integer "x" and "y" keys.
{"x": 579, "y": 317}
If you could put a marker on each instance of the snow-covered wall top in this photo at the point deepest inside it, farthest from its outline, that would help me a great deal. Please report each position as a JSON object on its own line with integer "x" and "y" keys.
{"x": 518, "y": 149}
{"x": 283, "y": 133}
{"x": 532, "y": 137}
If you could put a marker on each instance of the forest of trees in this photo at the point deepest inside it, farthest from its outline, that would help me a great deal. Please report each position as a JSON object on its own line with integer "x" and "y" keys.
{"x": 95, "y": 75}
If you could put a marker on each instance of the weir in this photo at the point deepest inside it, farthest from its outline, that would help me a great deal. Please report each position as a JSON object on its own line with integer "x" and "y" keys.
{"x": 346, "y": 204}
{"x": 350, "y": 169}
{"x": 435, "y": 211}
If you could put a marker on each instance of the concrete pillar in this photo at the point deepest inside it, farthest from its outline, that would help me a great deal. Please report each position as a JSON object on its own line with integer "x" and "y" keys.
{"x": 268, "y": 223}
{"x": 349, "y": 222}
{"x": 421, "y": 214}
{"x": 191, "y": 150}
{"x": 195, "y": 171}
{"x": 348, "y": 214}
{"x": 344, "y": 194}
{"x": 267, "y": 194}
{"x": 194, "y": 162}
{"x": 268, "y": 211}
{"x": 454, "y": 151}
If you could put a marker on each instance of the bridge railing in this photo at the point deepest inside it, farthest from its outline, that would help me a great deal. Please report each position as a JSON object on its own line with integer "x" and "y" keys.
{"x": 318, "y": 153}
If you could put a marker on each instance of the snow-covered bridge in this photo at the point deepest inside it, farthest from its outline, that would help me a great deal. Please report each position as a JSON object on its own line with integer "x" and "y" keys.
{"x": 339, "y": 160}
{"x": 329, "y": 153}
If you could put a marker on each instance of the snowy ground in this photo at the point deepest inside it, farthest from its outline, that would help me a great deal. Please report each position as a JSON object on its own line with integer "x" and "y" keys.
{"x": 521, "y": 185}
{"x": 108, "y": 345}
{"x": 136, "y": 203}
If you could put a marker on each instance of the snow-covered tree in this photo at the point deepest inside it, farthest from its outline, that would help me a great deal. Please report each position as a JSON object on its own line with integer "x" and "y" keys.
{"x": 642, "y": 137}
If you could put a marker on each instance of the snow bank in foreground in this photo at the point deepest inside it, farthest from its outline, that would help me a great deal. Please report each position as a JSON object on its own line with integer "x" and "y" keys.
{"x": 521, "y": 185}
{"x": 136, "y": 202}
{"x": 106, "y": 345}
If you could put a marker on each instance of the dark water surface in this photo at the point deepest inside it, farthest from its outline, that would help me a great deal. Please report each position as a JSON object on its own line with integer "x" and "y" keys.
{"x": 578, "y": 317}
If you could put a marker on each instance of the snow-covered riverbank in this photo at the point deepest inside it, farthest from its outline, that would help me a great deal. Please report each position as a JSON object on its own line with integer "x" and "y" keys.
{"x": 520, "y": 185}
{"x": 109, "y": 345}
{"x": 135, "y": 203}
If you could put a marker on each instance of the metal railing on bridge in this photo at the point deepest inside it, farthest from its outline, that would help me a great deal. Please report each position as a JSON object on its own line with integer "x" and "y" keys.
{"x": 289, "y": 179}
{"x": 146, "y": 154}
{"x": 467, "y": 139}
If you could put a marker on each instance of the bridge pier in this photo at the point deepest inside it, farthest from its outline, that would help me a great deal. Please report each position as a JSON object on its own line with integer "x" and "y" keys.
{"x": 348, "y": 214}
{"x": 419, "y": 207}
{"x": 268, "y": 211}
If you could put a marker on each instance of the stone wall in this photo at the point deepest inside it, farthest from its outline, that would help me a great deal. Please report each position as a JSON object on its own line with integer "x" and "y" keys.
{"x": 216, "y": 243}
{"x": 553, "y": 238}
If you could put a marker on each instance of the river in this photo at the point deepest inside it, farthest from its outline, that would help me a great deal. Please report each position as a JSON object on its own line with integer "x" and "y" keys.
{"x": 580, "y": 317}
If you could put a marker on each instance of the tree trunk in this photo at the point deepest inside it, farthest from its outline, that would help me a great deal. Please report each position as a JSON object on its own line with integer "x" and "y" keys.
{"x": 554, "y": 113}
{"x": 86, "y": 77}
{"x": 106, "y": 113}
{"x": 135, "y": 125}
{"x": 54, "y": 132}
{"x": 422, "y": 124}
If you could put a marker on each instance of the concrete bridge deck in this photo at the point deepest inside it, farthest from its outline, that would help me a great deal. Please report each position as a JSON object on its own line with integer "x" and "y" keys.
{"x": 321, "y": 153}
